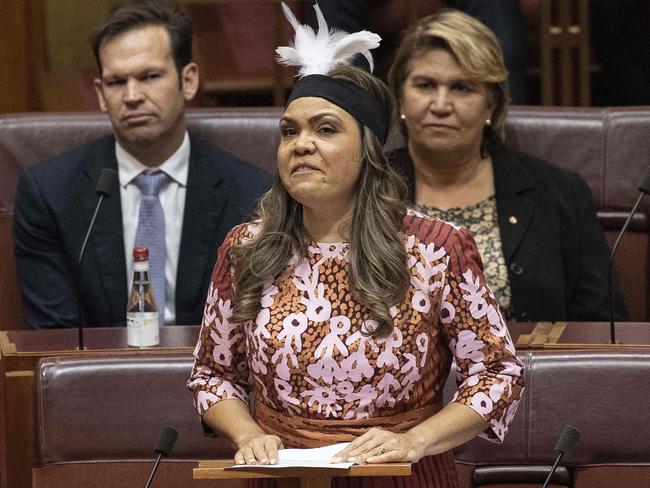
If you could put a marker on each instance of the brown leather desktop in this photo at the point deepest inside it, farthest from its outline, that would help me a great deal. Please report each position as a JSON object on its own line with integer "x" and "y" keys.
{"x": 97, "y": 412}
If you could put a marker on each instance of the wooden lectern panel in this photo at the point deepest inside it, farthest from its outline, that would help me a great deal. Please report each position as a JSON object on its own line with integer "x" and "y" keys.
{"x": 297, "y": 477}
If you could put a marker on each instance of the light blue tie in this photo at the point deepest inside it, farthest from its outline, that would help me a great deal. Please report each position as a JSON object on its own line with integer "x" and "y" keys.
{"x": 151, "y": 233}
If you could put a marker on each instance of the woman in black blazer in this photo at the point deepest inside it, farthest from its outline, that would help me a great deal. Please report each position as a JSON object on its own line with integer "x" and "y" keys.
{"x": 535, "y": 225}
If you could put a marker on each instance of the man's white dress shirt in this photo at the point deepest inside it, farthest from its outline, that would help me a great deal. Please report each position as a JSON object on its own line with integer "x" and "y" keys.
{"x": 172, "y": 199}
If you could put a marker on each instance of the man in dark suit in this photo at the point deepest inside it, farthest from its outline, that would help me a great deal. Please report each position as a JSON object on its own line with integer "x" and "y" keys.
{"x": 146, "y": 78}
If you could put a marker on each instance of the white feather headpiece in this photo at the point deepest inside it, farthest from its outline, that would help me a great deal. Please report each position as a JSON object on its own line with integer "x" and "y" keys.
{"x": 318, "y": 53}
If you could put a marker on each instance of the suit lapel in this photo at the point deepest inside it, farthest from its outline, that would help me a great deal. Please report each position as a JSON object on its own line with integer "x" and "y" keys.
{"x": 515, "y": 203}
{"x": 207, "y": 205}
{"x": 106, "y": 242}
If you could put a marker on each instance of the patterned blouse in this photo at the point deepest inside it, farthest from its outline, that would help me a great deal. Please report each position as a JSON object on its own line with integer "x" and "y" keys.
{"x": 482, "y": 221}
{"x": 304, "y": 355}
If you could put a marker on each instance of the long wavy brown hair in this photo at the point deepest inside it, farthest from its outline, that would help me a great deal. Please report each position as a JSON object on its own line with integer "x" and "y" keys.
{"x": 378, "y": 269}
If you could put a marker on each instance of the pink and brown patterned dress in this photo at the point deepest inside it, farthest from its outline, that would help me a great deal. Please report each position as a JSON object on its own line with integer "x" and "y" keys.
{"x": 317, "y": 379}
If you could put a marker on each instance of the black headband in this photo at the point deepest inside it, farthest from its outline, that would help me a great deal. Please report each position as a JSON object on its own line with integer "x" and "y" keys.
{"x": 354, "y": 100}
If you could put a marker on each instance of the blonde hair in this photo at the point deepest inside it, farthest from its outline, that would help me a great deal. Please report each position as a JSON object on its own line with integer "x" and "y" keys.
{"x": 475, "y": 48}
{"x": 379, "y": 276}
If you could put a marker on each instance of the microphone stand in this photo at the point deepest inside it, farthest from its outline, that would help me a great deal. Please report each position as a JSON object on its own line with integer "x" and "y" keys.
{"x": 558, "y": 458}
{"x": 107, "y": 184}
{"x": 564, "y": 446}
{"x": 612, "y": 296}
{"x": 155, "y": 468}
{"x": 81, "y": 313}
{"x": 166, "y": 440}
{"x": 644, "y": 188}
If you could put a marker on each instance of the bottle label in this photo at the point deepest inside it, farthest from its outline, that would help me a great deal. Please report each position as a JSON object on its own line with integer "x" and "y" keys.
{"x": 142, "y": 329}
{"x": 140, "y": 266}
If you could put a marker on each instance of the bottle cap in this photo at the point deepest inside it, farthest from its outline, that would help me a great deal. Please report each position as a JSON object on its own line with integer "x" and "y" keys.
{"x": 140, "y": 253}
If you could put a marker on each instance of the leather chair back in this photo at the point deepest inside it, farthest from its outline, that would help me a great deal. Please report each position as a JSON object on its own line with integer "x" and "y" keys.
{"x": 607, "y": 146}
{"x": 98, "y": 418}
{"x": 599, "y": 392}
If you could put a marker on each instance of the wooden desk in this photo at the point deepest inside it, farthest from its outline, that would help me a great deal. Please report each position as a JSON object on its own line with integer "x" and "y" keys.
{"x": 579, "y": 335}
{"x": 297, "y": 477}
{"x": 20, "y": 351}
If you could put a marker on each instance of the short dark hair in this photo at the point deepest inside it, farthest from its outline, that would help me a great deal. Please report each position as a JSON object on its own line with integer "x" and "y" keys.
{"x": 150, "y": 13}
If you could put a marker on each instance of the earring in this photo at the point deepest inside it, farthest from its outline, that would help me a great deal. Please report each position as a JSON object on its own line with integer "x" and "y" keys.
{"x": 488, "y": 122}
{"x": 402, "y": 116}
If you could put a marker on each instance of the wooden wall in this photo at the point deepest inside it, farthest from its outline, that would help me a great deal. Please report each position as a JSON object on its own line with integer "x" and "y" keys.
{"x": 46, "y": 61}
{"x": 21, "y": 54}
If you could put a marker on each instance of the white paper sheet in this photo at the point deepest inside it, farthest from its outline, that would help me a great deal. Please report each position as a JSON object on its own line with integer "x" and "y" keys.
{"x": 300, "y": 458}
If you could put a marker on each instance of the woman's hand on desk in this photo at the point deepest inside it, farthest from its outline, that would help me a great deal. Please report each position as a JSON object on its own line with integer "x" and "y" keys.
{"x": 260, "y": 449}
{"x": 232, "y": 419}
{"x": 382, "y": 446}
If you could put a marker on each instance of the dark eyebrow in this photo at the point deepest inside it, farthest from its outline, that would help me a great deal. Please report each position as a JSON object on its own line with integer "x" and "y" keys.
{"x": 312, "y": 119}
{"x": 112, "y": 79}
{"x": 322, "y": 115}
{"x": 146, "y": 71}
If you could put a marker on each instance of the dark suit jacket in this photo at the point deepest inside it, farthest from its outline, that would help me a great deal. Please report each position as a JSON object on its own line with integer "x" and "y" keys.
{"x": 55, "y": 201}
{"x": 556, "y": 252}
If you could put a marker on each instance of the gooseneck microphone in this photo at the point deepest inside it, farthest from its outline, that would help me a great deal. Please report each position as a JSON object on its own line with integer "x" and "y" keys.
{"x": 564, "y": 447}
{"x": 164, "y": 446}
{"x": 107, "y": 184}
{"x": 644, "y": 189}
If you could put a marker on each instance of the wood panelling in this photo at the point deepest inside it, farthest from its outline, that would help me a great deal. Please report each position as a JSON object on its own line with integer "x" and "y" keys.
{"x": 22, "y": 54}
{"x": 13, "y": 59}
{"x": 10, "y": 303}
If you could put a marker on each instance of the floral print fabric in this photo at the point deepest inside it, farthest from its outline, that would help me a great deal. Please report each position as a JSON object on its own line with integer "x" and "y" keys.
{"x": 305, "y": 355}
{"x": 483, "y": 222}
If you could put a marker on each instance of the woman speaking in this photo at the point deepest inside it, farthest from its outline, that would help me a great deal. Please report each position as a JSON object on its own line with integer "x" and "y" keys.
{"x": 339, "y": 311}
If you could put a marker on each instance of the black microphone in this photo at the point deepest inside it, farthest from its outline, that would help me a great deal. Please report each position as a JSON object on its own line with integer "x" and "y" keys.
{"x": 107, "y": 183}
{"x": 644, "y": 188}
{"x": 564, "y": 447}
{"x": 164, "y": 446}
